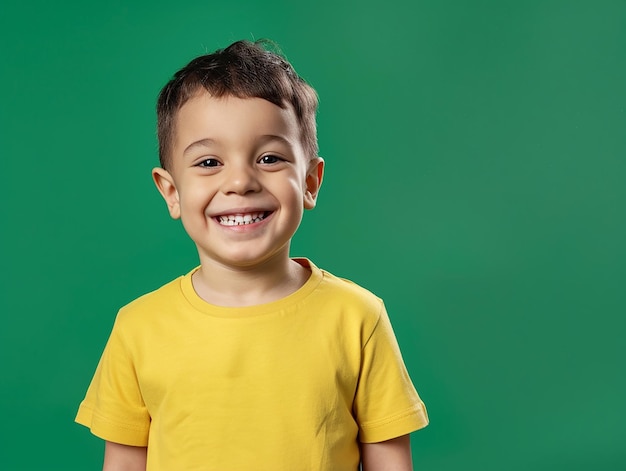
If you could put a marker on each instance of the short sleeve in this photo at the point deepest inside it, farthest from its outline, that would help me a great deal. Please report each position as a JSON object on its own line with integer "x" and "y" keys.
{"x": 113, "y": 408}
{"x": 386, "y": 403}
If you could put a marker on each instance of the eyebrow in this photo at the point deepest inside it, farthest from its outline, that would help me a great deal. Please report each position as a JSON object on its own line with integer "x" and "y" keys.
{"x": 266, "y": 138}
{"x": 262, "y": 140}
{"x": 201, "y": 143}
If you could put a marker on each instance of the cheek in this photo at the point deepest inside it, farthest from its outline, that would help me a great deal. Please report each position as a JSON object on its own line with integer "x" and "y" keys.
{"x": 295, "y": 191}
{"x": 195, "y": 189}
{"x": 193, "y": 200}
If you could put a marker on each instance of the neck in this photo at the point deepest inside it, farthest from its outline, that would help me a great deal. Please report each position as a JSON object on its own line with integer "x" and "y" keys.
{"x": 230, "y": 286}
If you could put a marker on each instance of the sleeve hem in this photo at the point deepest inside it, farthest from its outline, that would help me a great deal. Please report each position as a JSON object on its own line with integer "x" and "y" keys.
{"x": 103, "y": 427}
{"x": 395, "y": 426}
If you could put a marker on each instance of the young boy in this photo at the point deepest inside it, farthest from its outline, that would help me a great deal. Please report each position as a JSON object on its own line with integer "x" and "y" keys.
{"x": 253, "y": 360}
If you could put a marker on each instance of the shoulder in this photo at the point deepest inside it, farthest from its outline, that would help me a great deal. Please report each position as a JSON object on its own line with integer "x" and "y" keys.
{"x": 154, "y": 303}
{"x": 346, "y": 296}
{"x": 348, "y": 289}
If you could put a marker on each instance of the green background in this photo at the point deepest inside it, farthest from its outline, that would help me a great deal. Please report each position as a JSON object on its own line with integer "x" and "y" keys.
{"x": 476, "y": 160}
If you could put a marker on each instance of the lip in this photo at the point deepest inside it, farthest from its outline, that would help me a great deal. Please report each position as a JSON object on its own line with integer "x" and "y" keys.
{"x": 242, "y": 211}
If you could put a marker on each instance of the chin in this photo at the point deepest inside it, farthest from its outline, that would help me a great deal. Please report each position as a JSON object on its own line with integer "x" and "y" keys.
{"x": 244, "y": 260}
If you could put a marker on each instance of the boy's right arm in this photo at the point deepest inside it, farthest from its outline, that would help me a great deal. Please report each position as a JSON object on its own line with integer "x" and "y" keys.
{"x": 119, "y": 457}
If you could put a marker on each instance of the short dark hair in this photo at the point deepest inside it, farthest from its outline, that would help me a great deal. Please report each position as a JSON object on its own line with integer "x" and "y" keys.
{"x": 245, "y": 69}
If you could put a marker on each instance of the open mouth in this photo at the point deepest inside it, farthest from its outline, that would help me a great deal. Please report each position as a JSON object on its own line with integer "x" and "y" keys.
{"x": 242, "y": 219}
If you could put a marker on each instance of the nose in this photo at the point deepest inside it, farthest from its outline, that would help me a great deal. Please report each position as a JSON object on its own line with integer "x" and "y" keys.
{"x": 240, "y": 179}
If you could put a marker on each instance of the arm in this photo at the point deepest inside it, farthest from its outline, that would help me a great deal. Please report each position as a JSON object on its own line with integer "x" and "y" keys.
{"x": 119, "y": 457}
{"x": 390, "y": 455}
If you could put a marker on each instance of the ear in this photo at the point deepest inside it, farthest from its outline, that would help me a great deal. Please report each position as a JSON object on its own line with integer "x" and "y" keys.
{"x": 165, "y": 184}
{"x": 314, "y": 178}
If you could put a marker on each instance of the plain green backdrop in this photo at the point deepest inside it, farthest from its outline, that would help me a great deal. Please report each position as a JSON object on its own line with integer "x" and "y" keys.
{"x": 476, "y": 161}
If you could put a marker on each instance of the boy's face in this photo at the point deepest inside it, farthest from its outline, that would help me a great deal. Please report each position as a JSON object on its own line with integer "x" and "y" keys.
{"x": 238, "y": 178}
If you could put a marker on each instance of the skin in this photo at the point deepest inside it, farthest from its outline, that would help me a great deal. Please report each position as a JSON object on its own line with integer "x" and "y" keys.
{"x": 119, "y": 457}
{"x": 390, "y": 455}
{"x": 234, "y": 157}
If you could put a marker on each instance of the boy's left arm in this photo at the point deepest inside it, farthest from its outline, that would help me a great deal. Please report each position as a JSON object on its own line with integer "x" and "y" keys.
{"x": 390, "y": 455}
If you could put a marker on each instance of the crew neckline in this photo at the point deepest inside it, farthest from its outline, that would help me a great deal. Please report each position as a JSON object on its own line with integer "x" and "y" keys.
{"x": 294, "y": 298}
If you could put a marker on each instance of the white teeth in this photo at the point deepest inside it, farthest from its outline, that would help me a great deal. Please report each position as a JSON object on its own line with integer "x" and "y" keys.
{"x": 241, "y": 220}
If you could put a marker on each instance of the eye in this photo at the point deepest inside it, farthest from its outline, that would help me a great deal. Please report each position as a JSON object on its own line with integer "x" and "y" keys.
{"x": 270, "y": 159}
{"x": 206, "y": 163}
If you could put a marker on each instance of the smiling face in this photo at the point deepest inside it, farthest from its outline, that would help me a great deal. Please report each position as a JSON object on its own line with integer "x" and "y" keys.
{"x": 239, "y": 179}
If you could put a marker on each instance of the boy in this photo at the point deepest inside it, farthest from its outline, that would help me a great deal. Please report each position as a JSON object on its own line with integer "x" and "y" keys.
{"x": 253, "y": 360}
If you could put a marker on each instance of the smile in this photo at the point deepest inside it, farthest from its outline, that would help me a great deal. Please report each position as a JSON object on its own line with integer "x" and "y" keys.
{"x": 242, "y": 219}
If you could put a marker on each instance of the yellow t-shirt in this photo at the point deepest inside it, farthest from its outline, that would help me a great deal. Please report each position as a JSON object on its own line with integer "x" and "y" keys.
{"x": 290, "y": 385}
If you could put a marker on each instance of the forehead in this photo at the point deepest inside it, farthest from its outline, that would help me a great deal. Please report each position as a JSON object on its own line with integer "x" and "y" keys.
{"x": 230, "y": 119}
